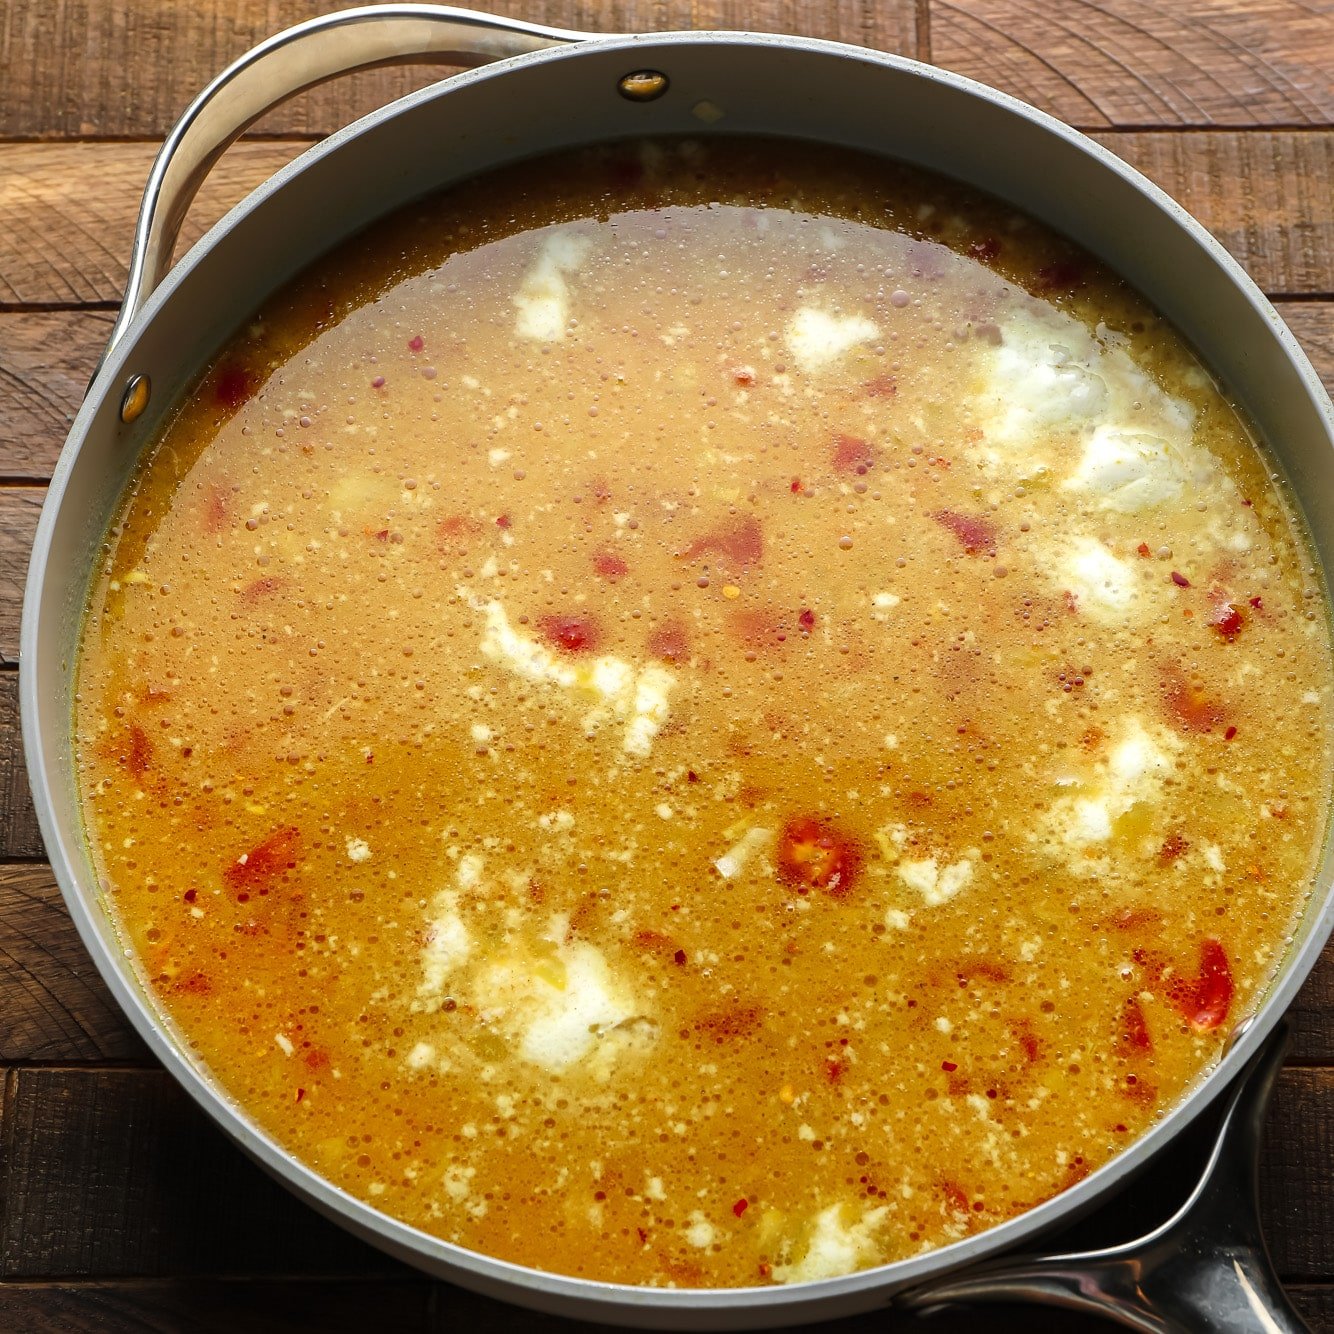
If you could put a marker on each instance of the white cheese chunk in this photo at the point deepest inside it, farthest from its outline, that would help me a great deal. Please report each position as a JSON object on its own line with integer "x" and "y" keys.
{"x": 1126, "y": 470}
{"x": 817, "y": 339}
{"x": 543, "y": 300}
{"x": 733, "y": 861}
{"x": 1104, "y": 586}
{"x": 935, "y": 883}
{"x": 835, "y": 1246}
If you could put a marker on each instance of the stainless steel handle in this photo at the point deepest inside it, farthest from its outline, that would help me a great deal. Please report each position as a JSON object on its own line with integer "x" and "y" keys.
{"x": 1204, "y": 1271}
{"x": 290, "y": 62}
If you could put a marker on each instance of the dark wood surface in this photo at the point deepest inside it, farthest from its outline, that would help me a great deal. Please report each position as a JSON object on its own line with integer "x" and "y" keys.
{"x": 121, "y": 1208}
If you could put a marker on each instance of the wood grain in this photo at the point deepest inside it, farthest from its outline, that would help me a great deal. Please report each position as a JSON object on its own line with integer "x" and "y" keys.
{"x": 55, "y": 1006}
{"x": 20, "y": 838}
{"x": 1145, "y": 63}
{"x": 67, "y": 211}
{"x": 125, "y": 68}
{"x": 19, "y": 509}
{"x": 115, "y": 1173}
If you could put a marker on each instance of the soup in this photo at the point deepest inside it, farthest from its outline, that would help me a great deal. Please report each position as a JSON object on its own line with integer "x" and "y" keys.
{"x": 706, "y": 715}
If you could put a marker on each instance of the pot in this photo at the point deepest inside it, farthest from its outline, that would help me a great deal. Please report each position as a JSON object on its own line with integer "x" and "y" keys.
{"x": 550, "y": 90}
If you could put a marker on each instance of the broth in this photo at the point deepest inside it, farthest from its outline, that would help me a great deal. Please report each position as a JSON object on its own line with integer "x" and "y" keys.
{"x": 706, "y": 734}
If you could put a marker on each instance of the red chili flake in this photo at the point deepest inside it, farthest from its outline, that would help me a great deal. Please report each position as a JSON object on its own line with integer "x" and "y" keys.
{"x": 609, "y": 565}
{"x": 235, "y": 384}
{"x": 1257, "y": 603}
{"x": 576, "y": 632}
{"x": 1227, "y": 621}
{"x": 1247, "y": 502}
{"x": 1189, "y": 706}
{"x": 1205, "y": 1001}
{"x": 1029, "y": 1041}
{"x": 380, "y": 535}
{"x": 1134, "y": 1035}
{"x": 679, "y": 957}
{"x": 378, "y": 382}
{"x": 949, "y": 1067}
{"x": 739, "y": 542}
{"x": 815, "y": 855}
{"x": 1180, "y": 579}
{"x": 194, "y": 984}
{"x": 744, "y": 375}
{"x": 265, "y": 862}
{"x": 954, "y": 1196}
{"x": 1173, "y": 847}
{"x": 503, "y": 521}
{"x": 796, "y": 486}
{"x": 986, "y": 249}
{"x": 300, "y": 1093}
{"x": 882, "y": 386}
{"x": 806, "y": 619}
{"x": 1143, "y": 549}
{"x": 370, "y": 759}
{"x": 416, "y": 343}
{"x": 834, "y": 1070}
{"x": 190, "y": 895}
{"x": 740, "y": 1207}
{"x": 1229, "y": 734}
{"x": 1119, "y": 1128}
{"x": 975, "y": 533}
{"x": 669, "y": 642}
{"x": 852, "y": 454}
{"x": 691, "y": 776}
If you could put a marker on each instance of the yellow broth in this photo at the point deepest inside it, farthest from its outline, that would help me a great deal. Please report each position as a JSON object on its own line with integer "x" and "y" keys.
{"x": 706, "y": 715}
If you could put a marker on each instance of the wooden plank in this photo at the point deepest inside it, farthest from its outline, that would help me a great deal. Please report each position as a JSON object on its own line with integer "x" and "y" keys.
{"x": 122, "y": 68}
{"x": 67, "y": 210}
{"x": 19, "y": 508}
{"x": 1144, "y": 63}
{"x": 46, "y": 359}
{"x": 55, "y": 1006}
{"x": 1265, "y": 195}
{"x": 114, "y": 1173}
{"x": 19, "y": 835}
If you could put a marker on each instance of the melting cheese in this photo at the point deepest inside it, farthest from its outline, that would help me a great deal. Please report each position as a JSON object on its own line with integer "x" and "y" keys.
{"x": 1125, "y": 470}
{"x": 543, "y": 300}
{"x": 817, "y": 339}
{"x": 834, "y": 1246}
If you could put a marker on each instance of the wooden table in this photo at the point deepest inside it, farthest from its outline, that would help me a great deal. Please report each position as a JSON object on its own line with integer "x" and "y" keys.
{"x": 121, "y": 1207}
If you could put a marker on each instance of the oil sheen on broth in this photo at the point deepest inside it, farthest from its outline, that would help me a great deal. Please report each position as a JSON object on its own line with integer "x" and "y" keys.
{"x": 749, "y": 720}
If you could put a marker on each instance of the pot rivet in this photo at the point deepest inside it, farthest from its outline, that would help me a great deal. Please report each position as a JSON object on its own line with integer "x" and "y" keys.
{"x": 644, "y": 85}
{"x": 136, "y": 396}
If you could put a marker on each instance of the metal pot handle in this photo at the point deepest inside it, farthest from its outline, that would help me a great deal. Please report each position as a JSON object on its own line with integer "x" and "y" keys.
{"x": 290, "y": 62}
{"x": 1204, "y": 1271}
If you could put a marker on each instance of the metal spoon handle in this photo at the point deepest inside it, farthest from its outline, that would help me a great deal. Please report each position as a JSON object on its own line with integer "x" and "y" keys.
{"x": 298, "y": 58}
{"x": 1204, "y": 1271}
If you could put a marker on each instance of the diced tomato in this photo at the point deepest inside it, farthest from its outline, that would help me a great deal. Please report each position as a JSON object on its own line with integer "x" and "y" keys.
{"x": 975, "y": 533}
{"x": 1227, "y": 620}
{"x": 1134, "y": 1035}
{"x": 574, "y": 632}
{"x": 739, "y": 541}
{"x": 1204, "y": 1002}
{"x": 234, "y": 385}
{"x": 669, "y": 642}
{"x": 1143, "y": 549}
{"x": 416, "y": 343}
{"x": 262, "y": 587}
{"x": 1190, "y": 707}
{"x": 815, "y": 855}
{"x": 740, "y": 1207}
{"x": 1180, "y": 579}
{"x": 743, "y": 375}
{"x": 851, "y": 454}
{"x": 954, "y": 1196}
{"x": 504, "y": 521}
{"x": 265, "y": 863}
{"x": 806, "y": 619}
{"x": 609, "y": 565}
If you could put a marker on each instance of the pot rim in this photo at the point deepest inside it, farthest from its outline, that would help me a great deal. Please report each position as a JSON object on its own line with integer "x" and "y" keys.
{"x": 594, "y": 1298}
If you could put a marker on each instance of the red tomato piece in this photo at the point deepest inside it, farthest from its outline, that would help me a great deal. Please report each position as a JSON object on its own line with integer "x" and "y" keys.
{"x": 1204, "y": 1002}
{"x": 740, "y": 1207}
{"x": 1134, "y": 1035}
{"x": 416, "y": 343}
{"x": 609, "y": 565}
{"x": 1190, "y": 707}
{"x": 1227, "y": 620}
{"x": 739, "y": 541}
{"x": 669, "y": 642}
{"x": 806, "y": 619}
{"x": 815, "y": 855}
{"x": 975, "y": 533}
{"x": 1180, "y": 579}
{"x": 264, "y": 863}
{"x": 575, "y": 632}
{"x": 852, "y": 454}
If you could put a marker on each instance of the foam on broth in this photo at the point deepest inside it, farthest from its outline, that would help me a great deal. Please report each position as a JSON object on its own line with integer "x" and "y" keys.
{"x": 706, "y": 715}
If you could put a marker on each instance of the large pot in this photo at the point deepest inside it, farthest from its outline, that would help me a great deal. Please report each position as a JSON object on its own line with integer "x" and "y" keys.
{"x": 551, "y": 90}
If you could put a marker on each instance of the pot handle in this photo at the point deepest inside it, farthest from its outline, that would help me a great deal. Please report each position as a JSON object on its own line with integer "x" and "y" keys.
{"x": 1204, "y": 1271}
{"x": 286, "y": 64}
